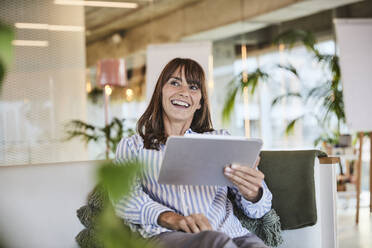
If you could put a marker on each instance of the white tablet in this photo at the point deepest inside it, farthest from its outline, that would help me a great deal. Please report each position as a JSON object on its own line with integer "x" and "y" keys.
{"x": 199, "y": 159}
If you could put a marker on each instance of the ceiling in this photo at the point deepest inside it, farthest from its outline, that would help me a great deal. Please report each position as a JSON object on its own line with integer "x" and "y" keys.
{"x": 291, "y": 12}
{"x": 102, "y": 22}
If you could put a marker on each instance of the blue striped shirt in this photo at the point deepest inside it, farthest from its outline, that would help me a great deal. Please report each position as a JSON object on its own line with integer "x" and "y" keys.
{"x": 148, "y": 199}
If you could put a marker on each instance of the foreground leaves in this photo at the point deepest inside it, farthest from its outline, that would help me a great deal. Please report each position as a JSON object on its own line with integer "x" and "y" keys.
{"x": 6, "y": 50}
{"x": 116, "y": 180}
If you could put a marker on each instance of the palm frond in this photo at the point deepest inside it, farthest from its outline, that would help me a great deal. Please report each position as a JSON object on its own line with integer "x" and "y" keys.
{"x": 82, "y": 130}
{"x": 317, "y": 93}
{"x": 254, "y": 78}
{"x": 111, "y": 134}
{"x": 278, "y": 99}
{"x": 290, "y": 127}
{"x": 80, "y": 125}
{"x": 290, "y": 68}
{"x": 237, "y": 85}
{"x": 229, "y": 105}
{"x": 82, "y": 135}
{"x": 292, "y": 36}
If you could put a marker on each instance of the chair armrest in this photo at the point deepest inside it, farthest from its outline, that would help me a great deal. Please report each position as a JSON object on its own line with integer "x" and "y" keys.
{"x": 329, "y": 160}
{"x": 323, "y": 234}
{"x": 327, "y": 197}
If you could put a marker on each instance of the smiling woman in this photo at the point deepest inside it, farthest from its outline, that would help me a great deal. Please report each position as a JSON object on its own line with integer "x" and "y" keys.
{"x": 186, "y": 215}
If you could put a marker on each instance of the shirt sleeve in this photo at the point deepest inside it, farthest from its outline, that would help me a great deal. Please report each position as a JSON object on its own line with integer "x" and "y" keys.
{"x": 254, "y": 210}
{"x": 137, "y": 208}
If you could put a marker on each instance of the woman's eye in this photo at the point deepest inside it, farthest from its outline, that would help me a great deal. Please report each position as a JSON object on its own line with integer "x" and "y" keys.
{"x": 175, "y": 83}
{"x": 194, "y": 87}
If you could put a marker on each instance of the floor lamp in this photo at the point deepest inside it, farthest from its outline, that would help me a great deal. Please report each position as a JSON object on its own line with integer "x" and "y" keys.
{"x": 110, "y": 73}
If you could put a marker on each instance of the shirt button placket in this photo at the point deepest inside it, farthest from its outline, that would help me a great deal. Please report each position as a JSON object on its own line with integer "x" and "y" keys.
{"x": 182, "y": 191}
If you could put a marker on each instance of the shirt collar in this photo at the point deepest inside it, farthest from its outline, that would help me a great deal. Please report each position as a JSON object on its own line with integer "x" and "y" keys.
{"x": 189, "y": 131}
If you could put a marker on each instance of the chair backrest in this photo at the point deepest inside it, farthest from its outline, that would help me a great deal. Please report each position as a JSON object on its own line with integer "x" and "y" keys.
{"x": 300, "y": 181}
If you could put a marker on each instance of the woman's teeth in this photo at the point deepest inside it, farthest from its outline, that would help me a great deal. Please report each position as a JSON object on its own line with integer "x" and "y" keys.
{"x": 180, "y": 103}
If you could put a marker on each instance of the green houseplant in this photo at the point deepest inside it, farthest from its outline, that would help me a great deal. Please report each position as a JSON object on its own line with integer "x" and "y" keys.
{"x": 327, "y": 98}
{"x": 111, "y": 134}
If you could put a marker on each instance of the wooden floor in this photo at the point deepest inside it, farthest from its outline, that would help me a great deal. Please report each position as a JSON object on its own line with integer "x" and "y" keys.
{"x": 351, "y": 235}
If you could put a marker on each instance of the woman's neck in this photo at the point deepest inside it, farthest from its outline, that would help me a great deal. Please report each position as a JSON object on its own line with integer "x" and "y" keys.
{"x": 175, "y": 128}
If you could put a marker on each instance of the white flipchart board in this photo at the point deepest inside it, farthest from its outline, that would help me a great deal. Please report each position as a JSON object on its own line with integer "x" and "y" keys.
{"x": 159, "y": 55}
{"x": 354, "y": 39}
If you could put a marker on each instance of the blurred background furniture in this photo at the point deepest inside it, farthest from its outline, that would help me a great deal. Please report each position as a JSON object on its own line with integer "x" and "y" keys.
{"x": 359, "y": 175}
{"x": 354, "y": 38}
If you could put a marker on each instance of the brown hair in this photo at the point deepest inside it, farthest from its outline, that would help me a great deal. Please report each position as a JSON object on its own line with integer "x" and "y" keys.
{"x": 151, "y": 127}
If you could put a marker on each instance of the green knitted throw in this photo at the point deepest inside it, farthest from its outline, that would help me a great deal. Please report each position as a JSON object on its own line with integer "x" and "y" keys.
{"x": 266, "y": 228}
{"x": 87, "y": 215}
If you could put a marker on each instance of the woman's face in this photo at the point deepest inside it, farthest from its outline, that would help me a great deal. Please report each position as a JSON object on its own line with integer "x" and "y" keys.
{"x": 180, "y": 100}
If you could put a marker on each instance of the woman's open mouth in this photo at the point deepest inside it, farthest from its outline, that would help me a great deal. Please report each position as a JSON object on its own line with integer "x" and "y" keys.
{"x": 180, "y": 103}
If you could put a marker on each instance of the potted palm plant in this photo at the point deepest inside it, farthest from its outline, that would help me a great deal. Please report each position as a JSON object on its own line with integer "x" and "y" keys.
{"x": 327, "y": 98}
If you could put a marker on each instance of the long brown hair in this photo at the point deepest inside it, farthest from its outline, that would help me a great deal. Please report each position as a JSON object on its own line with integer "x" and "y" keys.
{"x": 151, "y": 126}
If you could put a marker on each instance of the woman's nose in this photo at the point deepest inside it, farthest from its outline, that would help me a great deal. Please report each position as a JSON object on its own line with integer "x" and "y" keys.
{"x": 184, "y": 90}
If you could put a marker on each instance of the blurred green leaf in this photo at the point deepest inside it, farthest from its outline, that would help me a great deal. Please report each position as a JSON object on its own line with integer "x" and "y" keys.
{"x": 229, "y": 105}
{"x": 278, "y": 99}
{"x": 6, "y": 50}
{"x": 113, "y": 233}
{"x": 237, "y": 85}
{"x": 290, "y": 127}
{"x": 289, "y": 68}
{"x": 117, "y": 178}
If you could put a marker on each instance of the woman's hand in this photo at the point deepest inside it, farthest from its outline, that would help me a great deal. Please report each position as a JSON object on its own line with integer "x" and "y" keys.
{"x": 194, "y": 223}
{"x": 247, "y": 179}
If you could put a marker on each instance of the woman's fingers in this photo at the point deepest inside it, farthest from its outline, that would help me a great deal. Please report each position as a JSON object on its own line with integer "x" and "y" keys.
{"x": 240, "y": 182}
{"x": 183, "y": 226}
{"x": 246, "y": 179}
{"x": 248, "y": 170}
{"x": 192, "y": 224}
{"x": 195, "y": 223}
{"x": 202, "y": 222}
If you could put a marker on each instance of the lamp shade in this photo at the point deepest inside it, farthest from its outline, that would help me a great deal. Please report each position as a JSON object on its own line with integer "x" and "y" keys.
{"x": 111, "y": 72}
